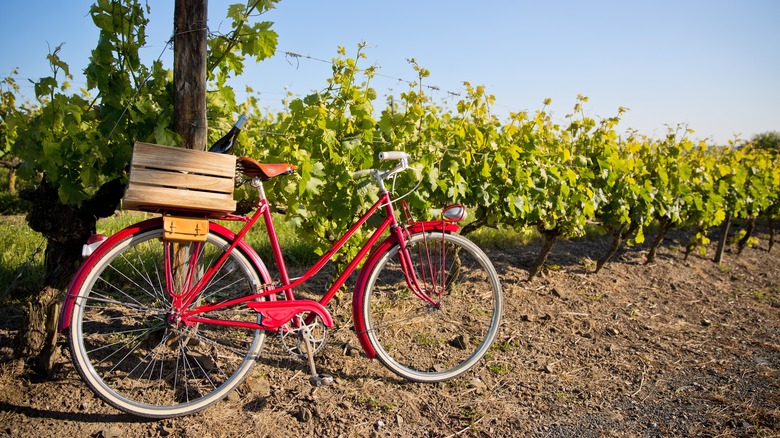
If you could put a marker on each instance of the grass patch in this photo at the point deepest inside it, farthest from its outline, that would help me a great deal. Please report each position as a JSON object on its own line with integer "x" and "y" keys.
{"x": 503, "y": 237}
{"x": 121, "y": 220}
{"x": 768, "y": 296}
{"x": 499, "y": 369}
{"x": 21, "y": 258}
{"x": 296, "y": 251}
{"x": 12, "y": 204}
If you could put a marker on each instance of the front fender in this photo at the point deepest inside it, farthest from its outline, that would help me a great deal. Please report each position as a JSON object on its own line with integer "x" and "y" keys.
{"x": 89, "y": 262}
{"x": 358, "y": 295}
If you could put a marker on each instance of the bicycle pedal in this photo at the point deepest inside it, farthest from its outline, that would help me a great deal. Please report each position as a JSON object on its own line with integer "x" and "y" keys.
{"x": 321, "y": 380}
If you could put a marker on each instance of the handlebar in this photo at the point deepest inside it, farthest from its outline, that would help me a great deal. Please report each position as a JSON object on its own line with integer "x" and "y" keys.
{"x": 379, "y": 176}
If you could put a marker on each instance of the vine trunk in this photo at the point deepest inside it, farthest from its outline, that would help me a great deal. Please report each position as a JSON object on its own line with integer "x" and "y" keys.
{"x": 618, "y": 237}
{"x": 663, "y": 228}
{"x": 549, "y": 240}
{"x": 66, "y": 228}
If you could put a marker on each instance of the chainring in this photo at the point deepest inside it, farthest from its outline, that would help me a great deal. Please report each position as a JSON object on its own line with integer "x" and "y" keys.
{"x": 291, "y": 335}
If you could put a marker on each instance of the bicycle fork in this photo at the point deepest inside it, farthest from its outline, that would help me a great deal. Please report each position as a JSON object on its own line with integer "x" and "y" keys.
{"x": 427, "y": 263}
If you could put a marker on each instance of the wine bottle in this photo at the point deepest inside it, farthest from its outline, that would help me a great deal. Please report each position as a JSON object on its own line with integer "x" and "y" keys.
{"x": 224, "y": 144}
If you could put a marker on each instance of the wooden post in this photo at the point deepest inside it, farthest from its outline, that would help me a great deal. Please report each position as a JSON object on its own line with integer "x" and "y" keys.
{"x": 189, "y": 72}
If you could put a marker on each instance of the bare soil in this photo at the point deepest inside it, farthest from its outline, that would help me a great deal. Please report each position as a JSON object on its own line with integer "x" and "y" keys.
{"x": 674, "y": 348}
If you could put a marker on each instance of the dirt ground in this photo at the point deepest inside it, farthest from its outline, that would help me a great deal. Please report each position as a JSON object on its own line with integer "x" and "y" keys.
{"x": 674, "y": 348}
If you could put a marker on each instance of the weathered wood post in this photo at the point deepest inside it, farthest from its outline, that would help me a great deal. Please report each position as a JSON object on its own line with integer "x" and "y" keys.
{"x": 189, "y": 72}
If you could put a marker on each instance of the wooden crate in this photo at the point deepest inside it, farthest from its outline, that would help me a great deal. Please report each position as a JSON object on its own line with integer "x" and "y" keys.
{"x": 170, "y": 177}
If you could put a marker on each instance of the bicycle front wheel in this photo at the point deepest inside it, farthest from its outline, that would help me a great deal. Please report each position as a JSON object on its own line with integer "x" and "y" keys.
{"x": 129, "y": 351}
{"x": 431, "y": 343}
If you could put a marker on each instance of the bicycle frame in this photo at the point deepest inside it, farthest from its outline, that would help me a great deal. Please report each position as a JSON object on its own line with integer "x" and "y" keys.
{"x": 189, "y": 316}
{"x": 277, "y": 313}
{"x": 390, "y": 222}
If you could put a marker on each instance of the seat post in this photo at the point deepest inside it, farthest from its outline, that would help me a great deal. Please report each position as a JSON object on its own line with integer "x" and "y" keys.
{"x": 258, "y": 184}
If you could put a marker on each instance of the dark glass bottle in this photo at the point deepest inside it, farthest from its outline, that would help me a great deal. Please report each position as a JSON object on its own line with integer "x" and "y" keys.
{"x": 224, "y": 144}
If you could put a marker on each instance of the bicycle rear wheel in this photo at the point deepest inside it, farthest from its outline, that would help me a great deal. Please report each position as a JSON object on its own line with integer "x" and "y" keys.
{"x": 423, "y": 342}
{"x": 129, "y": 352}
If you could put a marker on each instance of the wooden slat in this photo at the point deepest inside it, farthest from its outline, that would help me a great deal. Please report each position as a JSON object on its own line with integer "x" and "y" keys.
{"x": 139, "y": 196}
{"x": 187, "y": 160}
{"x": 139, "y": 175}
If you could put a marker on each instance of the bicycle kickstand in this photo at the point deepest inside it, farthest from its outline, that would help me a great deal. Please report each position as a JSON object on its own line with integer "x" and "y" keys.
{"x": 315, "y": 379}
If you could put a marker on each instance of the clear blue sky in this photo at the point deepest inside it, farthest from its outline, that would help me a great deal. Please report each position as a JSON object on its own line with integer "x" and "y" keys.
{"x": 711, "y": 64}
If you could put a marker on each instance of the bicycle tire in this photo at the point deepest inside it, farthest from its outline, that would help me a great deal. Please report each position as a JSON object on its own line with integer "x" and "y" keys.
{"x": 126, "y": 351}
{"x": 422, "y": 342}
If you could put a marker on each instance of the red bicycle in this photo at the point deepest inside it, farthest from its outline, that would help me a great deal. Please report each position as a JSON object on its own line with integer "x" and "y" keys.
{"x": 159, "y": 335}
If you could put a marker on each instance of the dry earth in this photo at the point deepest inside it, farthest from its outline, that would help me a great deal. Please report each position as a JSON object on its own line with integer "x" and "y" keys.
{"x": 675, "y": 348}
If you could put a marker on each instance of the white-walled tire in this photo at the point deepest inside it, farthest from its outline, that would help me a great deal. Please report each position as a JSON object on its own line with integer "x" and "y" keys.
{"x": 422, "y": 342}
{"x": 128, "y": 352}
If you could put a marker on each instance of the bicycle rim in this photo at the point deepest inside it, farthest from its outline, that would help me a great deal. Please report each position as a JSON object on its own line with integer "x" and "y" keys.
{"x": 131, "y": 356}
{"x": 427, "y": 343}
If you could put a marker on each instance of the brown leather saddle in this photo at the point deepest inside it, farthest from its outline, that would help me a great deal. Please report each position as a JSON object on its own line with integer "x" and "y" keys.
{"x": 254, "y": 169}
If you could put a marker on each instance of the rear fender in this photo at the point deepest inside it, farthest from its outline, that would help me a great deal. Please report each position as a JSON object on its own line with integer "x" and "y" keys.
{"x": 358, "y": 294}
{"x": 89, "y": 262}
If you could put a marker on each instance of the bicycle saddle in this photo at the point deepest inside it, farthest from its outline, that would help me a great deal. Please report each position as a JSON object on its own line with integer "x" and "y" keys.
{"x": 254, "y": 169}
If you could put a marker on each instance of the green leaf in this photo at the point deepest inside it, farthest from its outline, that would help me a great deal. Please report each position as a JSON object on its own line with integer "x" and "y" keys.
{"x": 640, "y": 236}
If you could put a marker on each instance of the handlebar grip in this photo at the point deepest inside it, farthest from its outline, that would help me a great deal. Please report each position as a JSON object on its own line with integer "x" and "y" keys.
{"x": 362, "y": 173}
{"x": 393, "y": 155}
